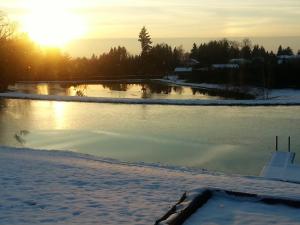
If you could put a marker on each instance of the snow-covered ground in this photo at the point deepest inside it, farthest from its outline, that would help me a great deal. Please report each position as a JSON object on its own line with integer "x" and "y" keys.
{"x": 175, "y": 81}
{"x": 53, "y": 187}
{"x": 285, "y": 94}
{"x": 278, "y": 94}
{"x": 189, "y": 102}
{"x": 228, "y": 210}
{"x": 272, "y": 97}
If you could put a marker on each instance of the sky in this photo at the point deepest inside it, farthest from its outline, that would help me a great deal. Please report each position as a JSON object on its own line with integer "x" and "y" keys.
{"x": 92, "y": 19}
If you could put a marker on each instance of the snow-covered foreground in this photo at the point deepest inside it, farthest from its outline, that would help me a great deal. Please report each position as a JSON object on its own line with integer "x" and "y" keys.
{"x": 188, "y": 102}
{"x": 236, "y": 211}
{"x": 51, "y": 187}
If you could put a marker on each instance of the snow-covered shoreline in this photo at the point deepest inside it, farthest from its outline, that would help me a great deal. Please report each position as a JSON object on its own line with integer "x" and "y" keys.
{"x": 52, "y": 187}
{"x": 184, "y": 102}
{"x": 275, "y": 97}
{"x": 279, "y": 94}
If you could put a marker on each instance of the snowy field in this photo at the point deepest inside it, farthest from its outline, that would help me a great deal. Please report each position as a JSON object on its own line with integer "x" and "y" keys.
{"x": 52, "y": 187}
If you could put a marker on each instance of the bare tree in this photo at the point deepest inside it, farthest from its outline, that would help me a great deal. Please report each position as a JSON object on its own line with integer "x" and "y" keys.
{"x": 7, "y": 29}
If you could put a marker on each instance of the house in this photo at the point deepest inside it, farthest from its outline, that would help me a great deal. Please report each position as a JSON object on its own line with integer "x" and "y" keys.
{"x": 183, "y": 71}
{"x": 192, "y": 62}
{"x": 240, "y": 61}
{"x": 281, "y": 59}
{"x": 225, "y": 66}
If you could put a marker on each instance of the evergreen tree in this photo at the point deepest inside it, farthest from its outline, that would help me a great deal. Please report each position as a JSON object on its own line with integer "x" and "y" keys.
{"x": 285, "y": 51}
{"x": 258, "y": 51}
{"x": 246, "y": 48}
{"x": 279, "y": 51}
{"x": 288, "y": 51}
{"x": 145, "y": 40}
{"x": 194, "y": 51}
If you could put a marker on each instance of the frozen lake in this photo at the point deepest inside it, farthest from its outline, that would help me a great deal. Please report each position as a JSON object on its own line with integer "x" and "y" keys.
{"x": 226, "y": 139}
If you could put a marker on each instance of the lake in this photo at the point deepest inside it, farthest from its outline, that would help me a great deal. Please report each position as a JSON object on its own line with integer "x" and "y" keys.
{"x": 228, "y": 139}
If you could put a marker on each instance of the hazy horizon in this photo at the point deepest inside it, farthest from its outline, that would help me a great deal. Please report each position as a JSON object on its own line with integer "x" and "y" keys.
{"x": 56, "y": 22}
{"x": 89, "y": 46}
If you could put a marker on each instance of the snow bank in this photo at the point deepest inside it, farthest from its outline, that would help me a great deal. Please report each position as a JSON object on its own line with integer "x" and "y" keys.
{"x": 194, "y": 85}
{"x": 215, "y": 206}
{"x": 186, "y": 102}
{"x": 278, "y": 94}
{"x": 285, "y": 94}
{"x": 241, "y": 211}
{"x": 52, "y": 187}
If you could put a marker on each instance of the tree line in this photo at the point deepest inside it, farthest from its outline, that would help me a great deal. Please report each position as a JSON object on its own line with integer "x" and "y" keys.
{"x": 22, "y": 59}
{"x": 257, "y": 66}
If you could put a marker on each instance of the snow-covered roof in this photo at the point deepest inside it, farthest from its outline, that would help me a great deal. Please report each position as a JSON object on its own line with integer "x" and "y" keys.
{"x": 225, "y": 66}
{"x": 194, "y": 61}
{"x": 284, "y": 58}
{"x": 183, "y": 69}
{"x": 239, "y": 61}
{"x": 288, "y": 57}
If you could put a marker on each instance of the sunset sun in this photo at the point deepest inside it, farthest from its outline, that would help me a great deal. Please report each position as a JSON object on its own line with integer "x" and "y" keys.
{"x": 52, "y": 23}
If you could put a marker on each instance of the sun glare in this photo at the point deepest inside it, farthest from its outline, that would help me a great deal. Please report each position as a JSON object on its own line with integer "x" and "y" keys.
{"x": 52, "y": 23}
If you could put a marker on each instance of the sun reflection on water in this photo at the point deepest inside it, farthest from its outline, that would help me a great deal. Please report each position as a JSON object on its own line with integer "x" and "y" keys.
{"x": 42, "y": 89}
{"x": 59, "y": 113}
